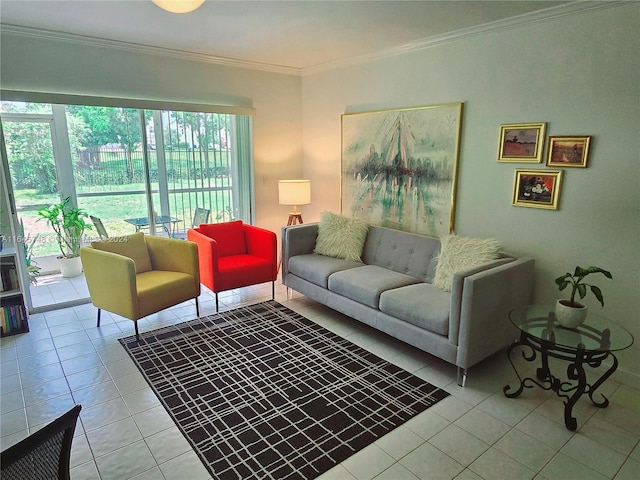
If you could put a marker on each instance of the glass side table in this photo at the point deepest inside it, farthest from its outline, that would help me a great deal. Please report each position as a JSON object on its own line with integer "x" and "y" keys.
{"x": 589, "y": 344}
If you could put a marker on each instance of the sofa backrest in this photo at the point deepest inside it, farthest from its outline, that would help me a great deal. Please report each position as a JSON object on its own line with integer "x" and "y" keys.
{"x": 403, "y": 252}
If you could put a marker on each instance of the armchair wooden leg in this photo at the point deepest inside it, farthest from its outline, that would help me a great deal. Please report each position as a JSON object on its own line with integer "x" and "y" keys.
{"x": 99, "y": 310}
{"x": 197, "y": 308}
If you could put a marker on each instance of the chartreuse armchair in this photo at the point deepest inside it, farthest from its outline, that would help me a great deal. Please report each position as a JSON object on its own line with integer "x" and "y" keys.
{"x": 137, "y": 275}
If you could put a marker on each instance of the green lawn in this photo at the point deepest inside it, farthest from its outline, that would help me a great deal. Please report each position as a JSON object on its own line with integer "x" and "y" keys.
{"x": 113, "y": 208}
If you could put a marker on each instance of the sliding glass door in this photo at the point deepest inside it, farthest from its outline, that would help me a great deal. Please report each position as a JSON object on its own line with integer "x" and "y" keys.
{"x": 135, "y": 169}
{"x": 190, "y": 159}
{"x": 29, "y": 135}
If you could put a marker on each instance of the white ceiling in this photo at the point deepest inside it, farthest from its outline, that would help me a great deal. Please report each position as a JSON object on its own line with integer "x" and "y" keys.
{"x": 298, "y": 34}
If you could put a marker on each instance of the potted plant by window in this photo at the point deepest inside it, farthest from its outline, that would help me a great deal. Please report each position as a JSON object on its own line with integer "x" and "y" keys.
{"x": 69, "y": 225}
{"x": 571, "y": 313}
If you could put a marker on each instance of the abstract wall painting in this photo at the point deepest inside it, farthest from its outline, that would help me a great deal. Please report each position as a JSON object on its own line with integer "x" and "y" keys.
{"x": 399, "y": 167}
{"x": 521, "y": 142}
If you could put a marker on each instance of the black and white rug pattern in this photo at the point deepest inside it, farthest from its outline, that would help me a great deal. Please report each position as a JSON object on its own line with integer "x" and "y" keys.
{"x": 262, "y": 392}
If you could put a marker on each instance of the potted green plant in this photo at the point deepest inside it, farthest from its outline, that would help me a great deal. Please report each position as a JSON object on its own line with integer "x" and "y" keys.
{"x": 571, "y": 313}
{"x": 68, "y": 223}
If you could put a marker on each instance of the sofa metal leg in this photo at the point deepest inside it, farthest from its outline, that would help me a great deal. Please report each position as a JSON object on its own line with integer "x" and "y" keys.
{"x": 216, "y": 302}
{"x": 273, "y": 290}
{"x": 197, "y": 309}
{"x": 99, "y": 310}
{"x": 135, "y": 323}
{"x": 462, "y": 376}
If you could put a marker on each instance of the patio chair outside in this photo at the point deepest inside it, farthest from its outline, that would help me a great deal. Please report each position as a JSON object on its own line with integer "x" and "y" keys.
{"x": 102, "y": 232}
{"x": 200, "y": 216}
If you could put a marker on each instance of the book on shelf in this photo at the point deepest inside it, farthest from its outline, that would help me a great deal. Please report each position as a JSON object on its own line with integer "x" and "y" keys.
{"x": 13, "y": 319}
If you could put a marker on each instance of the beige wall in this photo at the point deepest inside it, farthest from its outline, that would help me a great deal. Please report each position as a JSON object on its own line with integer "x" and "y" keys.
{"x": 579, "y": 74}
{"x": 45, "y": 65}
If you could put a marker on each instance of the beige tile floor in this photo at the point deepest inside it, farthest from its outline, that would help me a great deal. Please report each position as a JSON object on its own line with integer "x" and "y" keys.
{"x": 475, "y": 433}
{"x": 55, "y": 289}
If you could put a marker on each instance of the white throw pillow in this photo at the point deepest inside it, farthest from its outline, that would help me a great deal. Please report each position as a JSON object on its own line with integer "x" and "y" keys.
{"x": 460, "y": 253}
{"x": 341, "y": 237}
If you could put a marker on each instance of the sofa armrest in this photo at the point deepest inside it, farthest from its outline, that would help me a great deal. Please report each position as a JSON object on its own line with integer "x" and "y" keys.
{"x": 207, "y": 256}
{"x": 297, "y": 240}
{"x": 111, "y": 279}
{"x": 457, "y": 287}
{"x": 172, "y": 255}
{"x": 487, "y": 297}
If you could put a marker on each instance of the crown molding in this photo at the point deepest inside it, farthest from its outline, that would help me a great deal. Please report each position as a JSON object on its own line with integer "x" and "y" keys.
{"x": 85, "y": 40}
{"x": 546, "y": 14}
{"x": 551, "y": 13}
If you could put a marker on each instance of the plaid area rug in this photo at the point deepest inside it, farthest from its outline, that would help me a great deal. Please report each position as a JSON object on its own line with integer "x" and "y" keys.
{"x": 262, "y": 392}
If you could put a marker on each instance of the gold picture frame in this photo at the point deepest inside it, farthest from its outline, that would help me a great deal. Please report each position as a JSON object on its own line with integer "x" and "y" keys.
{"x": 521, "y": 142}
{"x": 537, "y": 188}
{"x": 568, "y": 151}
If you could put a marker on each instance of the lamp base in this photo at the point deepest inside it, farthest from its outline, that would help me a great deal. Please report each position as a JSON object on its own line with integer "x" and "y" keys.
{"x": 294, "y": 218}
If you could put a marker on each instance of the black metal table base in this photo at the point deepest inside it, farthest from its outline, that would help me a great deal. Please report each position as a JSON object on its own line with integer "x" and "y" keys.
{"x": 577, "y": 384}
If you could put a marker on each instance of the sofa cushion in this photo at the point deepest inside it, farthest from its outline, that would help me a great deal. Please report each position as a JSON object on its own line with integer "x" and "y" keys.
{"x": 460, "y": 253}
{"x": 228, "y": 235}
{"x": 365, "y": 284}
{"x": 132, "y": 246}
{"x": 317, "y": 268}
{"x": 422, "y": 305}
{"x": 341, "y": 237}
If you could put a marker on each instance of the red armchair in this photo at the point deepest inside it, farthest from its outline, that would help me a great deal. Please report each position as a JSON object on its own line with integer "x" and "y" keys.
{"x": 234, "y": 254}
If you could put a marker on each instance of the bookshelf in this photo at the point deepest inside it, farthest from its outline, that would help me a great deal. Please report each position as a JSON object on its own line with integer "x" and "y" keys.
{"x": 13, "y": 314}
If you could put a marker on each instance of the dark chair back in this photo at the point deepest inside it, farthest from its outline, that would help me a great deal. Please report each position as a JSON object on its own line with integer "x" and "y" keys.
{"x": 44, "y": 454}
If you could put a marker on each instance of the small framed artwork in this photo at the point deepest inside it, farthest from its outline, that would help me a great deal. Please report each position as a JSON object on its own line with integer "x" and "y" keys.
{"x": 521, "y": 142}
{"x": 537, "y": 188}
{"x": 568, "y": 151}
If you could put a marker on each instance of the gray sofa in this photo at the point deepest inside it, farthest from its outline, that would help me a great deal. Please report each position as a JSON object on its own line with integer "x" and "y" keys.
{"x": 392, "y": 292}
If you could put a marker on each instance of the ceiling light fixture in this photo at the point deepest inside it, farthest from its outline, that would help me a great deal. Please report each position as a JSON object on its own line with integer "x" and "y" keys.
{"x": 178, "y": 6}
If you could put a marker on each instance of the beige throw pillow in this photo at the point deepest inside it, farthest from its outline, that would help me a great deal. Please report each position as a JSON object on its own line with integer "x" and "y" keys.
{"x": 460, "y": 253}
{"x": 341, "y": 237}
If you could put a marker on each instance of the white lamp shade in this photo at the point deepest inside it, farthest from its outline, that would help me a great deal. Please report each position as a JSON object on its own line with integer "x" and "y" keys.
{"x": 294, "y": 192}
{"x": 178, "y": 6}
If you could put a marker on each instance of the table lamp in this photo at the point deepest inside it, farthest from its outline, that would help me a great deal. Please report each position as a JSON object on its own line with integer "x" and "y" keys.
{"x": 294, "y": 192}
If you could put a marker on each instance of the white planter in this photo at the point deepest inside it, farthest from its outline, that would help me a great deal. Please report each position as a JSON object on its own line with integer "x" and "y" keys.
{"x": 570, "y": 317}
{"x": 70, "y": 267}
